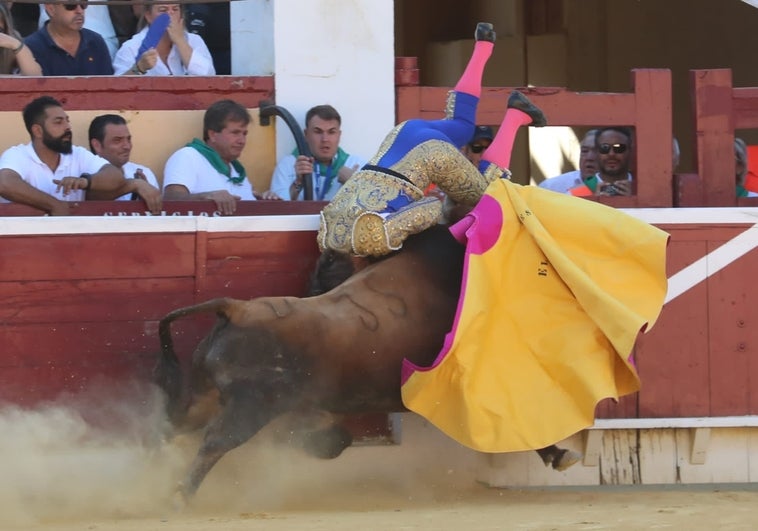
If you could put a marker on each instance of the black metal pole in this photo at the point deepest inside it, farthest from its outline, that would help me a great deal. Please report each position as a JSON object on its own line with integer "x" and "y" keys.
{"x": 267, "y": 110}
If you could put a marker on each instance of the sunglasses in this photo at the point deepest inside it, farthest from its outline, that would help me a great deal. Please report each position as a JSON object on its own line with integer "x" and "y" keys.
{"x": 604, "y": 149}
{"x": 72, "y": 7}
{"x": 477, "y": 148}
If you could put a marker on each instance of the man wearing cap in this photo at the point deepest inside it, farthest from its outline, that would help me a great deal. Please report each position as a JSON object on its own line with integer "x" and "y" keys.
{"x": 479, "y": 142}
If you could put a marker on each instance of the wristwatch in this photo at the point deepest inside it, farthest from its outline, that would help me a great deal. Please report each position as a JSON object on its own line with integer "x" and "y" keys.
{"x": 87, "y": 176}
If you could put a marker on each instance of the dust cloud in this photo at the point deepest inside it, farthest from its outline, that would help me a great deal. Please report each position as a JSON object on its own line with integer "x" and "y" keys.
{"x": 96, "y": 454}
{"x": 103, "y": 455}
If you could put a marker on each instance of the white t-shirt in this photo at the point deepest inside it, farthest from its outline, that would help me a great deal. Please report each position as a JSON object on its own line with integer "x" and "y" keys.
{"x": 129, "y": 170}
{"x": 201, "y": 62}
{"x": 190, "y": 169}
{"x": 284, "y": 176}
{"x": 24, "y": 160}
{"x": 564, "y": 182}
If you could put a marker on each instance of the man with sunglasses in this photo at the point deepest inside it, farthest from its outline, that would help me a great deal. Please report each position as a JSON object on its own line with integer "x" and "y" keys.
{"x": 63, "y": 47}
{"x": 614, "y": 146}
{"x": 614, "y": 155}
{"x": 481, "y": 140}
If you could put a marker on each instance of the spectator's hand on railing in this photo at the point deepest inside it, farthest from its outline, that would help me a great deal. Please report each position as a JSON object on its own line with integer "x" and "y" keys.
{"x": 60, "y": 208}
{"x": 267, "y": 195}
{"x": 225, "y": 202}
{"x": 149, "y": 194}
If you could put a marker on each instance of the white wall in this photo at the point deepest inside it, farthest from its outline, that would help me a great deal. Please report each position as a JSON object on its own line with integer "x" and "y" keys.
{"x": 339, "y": 52}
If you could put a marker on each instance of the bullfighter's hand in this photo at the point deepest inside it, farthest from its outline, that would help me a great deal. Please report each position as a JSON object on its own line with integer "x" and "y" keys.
{"x": 225, "y": 202}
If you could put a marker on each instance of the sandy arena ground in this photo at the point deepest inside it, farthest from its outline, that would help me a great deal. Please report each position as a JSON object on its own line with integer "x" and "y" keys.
{"x": 57, "y": 472}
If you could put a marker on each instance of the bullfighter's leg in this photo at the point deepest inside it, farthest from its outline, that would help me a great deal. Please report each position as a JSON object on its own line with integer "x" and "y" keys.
{"x": 520, "y": 112}
{"x": 244, "y": 412}
{"x": 460, "y": 109}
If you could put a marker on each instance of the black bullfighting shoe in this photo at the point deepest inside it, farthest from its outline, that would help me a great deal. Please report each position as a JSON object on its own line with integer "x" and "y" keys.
{"x": 485, "y": 32}
{"x": 517, "y": 100}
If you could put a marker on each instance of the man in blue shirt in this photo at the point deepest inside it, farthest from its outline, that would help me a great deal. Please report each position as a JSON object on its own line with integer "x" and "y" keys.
{"x": 63, "y": 47}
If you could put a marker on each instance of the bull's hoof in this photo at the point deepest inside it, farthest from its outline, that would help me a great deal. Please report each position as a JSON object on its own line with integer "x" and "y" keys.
{"x": 566, "y": 459}
{"x": 179, "y": 500}
{"x": 327, "y": 443}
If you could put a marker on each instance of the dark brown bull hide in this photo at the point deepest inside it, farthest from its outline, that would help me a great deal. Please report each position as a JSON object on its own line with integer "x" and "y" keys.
{"x": 339, "y": 352}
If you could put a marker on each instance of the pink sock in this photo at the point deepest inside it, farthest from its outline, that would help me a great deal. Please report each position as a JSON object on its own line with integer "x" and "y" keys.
{"x": 471, "y": 80}
{"x": 500, "y": 150}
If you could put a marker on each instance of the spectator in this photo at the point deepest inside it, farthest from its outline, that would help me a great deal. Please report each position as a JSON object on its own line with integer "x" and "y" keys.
{"x": 614, "y": 147}
{"x": 479, "y": 142}
{"x": 178, "y": 52}
{"x": 15, "y": 56}
{"x": 50, "y": 172}
{"x": 100, "y": 21}
{"x": 331, "y": 166}
{"x": 208, "y": 168}
{"x": 574, "y": 180}
{"x": 109, "y": 137}
{"x": 211, "y": 22}
{"x": 740, "y": 168}
{"x": 63, "y": 47}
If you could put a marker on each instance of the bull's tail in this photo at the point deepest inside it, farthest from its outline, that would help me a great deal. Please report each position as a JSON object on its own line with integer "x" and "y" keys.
{"x": 168, "y": 372}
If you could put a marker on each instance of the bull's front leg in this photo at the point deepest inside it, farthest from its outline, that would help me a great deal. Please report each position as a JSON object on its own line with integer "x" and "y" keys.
{"x": 243, "y": 413}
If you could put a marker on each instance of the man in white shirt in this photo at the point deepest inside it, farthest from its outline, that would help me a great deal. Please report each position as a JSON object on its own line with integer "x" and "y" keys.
{"x": 330, "y": 165}
{"x": 109, "y": 137}
{"x": 568, "y": 181}
{"x": 209, "y": 168}
{"x": 49, "y": 172}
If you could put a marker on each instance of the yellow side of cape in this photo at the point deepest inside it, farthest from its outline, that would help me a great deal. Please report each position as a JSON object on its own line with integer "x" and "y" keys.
{"x": 550, "y": 310}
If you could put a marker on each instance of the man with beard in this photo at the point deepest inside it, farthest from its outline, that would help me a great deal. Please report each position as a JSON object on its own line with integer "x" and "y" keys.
{"x": 209, "y": 168}
{"x": 49, "y": 172}
{"x": 109, "y": 137}
{"x": 614, "y": 146}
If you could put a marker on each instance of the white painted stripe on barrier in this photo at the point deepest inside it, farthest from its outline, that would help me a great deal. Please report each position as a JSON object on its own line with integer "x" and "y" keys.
{"x": 711, "y": 263}
{"x": 43, "y": 225}
{"x": 745, "y": 421}
{"x": 697, "y": 216}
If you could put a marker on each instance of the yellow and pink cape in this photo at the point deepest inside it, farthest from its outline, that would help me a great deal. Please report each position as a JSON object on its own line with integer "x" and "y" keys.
{"x": 555, "y": 292}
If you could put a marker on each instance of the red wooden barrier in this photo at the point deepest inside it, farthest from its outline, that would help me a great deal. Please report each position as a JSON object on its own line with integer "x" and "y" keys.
{"x": 647, "y": 109}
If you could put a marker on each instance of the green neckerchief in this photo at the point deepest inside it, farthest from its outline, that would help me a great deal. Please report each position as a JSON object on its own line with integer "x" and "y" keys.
{"x": 591, "y": 183}
{"x": 741, "y": 191}
{"x": 329, "y": 170}
{"x": 212, "y": 156}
